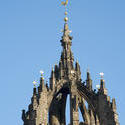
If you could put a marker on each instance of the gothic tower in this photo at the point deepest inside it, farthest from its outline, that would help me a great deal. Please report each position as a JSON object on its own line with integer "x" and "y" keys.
{"x": 48, "y": 103}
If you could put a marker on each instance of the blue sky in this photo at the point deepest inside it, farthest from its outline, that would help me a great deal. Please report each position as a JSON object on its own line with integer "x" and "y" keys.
{"x": 30, "y": 40}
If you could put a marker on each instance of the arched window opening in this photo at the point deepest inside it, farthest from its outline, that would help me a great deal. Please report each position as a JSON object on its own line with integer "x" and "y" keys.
{"x": 80, "y": 116}
{"x": 68, "y": 110}
{"x": 83, "y": 112}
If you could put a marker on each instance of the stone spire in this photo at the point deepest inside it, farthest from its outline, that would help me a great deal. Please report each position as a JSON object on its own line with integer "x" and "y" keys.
{"x": 52, "y": 80}
{"x": 34, "y": 99}
{"x": 78, "y": 72}
{"x": 89, "y": 81}
{"x": 66, "y": 38}
{"x": 67, "y": 55}
{"x": 114, "y": 105}
{"x": 42, "y": 85}
{"x": 66, "y": 61}
{"x": 114, "y": 111}
{"x": 102, "y": 85}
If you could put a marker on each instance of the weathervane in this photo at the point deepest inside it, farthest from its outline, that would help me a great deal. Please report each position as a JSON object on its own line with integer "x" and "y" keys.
{"x": 65, "y": 5}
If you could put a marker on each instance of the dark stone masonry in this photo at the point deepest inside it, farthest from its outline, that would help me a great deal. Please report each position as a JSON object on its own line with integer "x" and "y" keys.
{"x": 48, "y": 103}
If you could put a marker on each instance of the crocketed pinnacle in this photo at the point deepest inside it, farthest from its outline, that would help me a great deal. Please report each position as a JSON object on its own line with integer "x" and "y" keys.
{"x": 67, "y": 55}
{"x": 102, "y": 87}
{"x": 89, "y": 81}
{"x": 66, "y": 38}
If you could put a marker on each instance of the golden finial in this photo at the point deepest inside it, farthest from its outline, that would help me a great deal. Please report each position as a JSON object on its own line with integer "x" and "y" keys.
{"x": 34, "y": 83}
{"x": 65, "y": 3}
{"x": 41, "y": 72}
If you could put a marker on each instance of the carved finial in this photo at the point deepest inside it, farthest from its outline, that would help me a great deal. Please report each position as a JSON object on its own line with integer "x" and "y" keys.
{"x": 88, "y": 80}
{"x": 41, "y": 72}
{"x": 102, "y": 75}
{"x": 34, "y": 83}
{"x": 52, "y": 68}
{"x": 88, "y": 74}
{"x": 102, "y": 84}
{"x": 102, "y": 80}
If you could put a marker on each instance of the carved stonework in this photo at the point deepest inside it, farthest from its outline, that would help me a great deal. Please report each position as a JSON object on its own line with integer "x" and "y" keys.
{"x": 48, "y": 104}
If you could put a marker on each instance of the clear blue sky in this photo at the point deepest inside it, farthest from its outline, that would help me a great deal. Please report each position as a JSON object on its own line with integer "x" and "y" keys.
{"x": 30, "y": 40}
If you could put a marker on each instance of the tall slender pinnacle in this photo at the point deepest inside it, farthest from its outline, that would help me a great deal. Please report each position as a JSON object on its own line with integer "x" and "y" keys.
{"x": 66, "y": 41}
{"x": 102, "y": 85}
{"x": 66, "y": 38}
{"x": 89, "y": 81}
{"x": 52, "y": 79}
